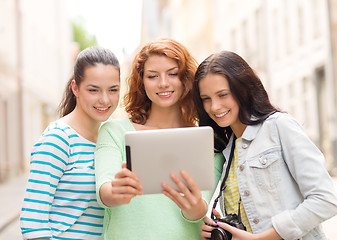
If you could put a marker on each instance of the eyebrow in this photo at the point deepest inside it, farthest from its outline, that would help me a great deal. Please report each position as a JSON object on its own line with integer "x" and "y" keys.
{"x": 166, "y": 70}
{"x": 220, "y": 91}
{"x": 94, "y": 86}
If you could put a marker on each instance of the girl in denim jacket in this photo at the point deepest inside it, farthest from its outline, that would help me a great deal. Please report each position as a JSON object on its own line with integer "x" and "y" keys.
{"x": 276, "y": 184}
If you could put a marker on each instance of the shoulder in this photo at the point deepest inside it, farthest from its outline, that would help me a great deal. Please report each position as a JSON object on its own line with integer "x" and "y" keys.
{"x": 285, "y": 126}
{"x": 283, "y": 120}
{"x": 56, "y": 132}
{"x": 114, "y": 129}
{"x": 116, "y": 124}
{"x": 54, "y": 142}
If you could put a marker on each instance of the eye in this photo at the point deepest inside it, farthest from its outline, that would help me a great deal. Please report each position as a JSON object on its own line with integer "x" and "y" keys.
{"x": 222, "y": 95}
{"x": 152, "y": 76}
{"x": 114, "y": 90}
{"x": 205, "y": 99}
{"x": 93, "y": 90}
{"x": 173, "y": 74}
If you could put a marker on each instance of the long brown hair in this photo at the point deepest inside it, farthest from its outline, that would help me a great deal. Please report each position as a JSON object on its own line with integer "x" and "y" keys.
{"x": 87, "y": 58}
{"x": 246, "y": 87}
{"x": 136, "y": 102}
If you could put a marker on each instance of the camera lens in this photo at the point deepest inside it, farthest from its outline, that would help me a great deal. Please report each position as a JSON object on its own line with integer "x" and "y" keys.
{"x": 220, "y": 234}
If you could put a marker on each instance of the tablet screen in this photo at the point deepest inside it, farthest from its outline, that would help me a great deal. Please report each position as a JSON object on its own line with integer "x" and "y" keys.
{"x": 154, "y": 154}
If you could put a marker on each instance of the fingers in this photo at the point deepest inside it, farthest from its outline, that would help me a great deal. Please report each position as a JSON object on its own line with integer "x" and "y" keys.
{"x": 187, "y": 187}
{"x": 226, "y": 226}
{"x": 205, "y": 233}
{"x": 174, "y": 199}
{"x": 126, "y": 182}
{"x": 216, "y": 213}
{"x": 124, "y": 172}
{"x": 236, "y": 232}
{"x": 126, "y": 186}
{"x": 209, "y": 221}
{"x": 121, "y": 189}
{"x": 188, "y": 196}
{"x": 184, "y": 198}
{"x": 115, "y": 196}
{"x": 207, "y": 228}
{"x": 190, "y": 182}
{"x": 120, "y": 199}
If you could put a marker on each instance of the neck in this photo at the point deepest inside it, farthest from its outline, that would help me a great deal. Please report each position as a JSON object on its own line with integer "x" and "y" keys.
{"x": 165, "y": 117}
{"x": 238, "y": 129}
{"x": 83, "y": 124}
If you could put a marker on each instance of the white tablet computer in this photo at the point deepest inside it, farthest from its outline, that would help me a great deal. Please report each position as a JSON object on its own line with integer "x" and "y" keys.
{"x": 154, "y": 154}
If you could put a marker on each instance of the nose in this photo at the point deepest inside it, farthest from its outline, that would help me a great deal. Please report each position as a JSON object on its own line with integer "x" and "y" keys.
{"x": 164, "y": 83}
{"x": 104, "y": 99}
{"x": 215, "y": 105}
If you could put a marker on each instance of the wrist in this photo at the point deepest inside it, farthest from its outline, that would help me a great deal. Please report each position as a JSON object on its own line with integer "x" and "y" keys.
{"x": 269, "y": 234}
{"x": 196, "y": 213}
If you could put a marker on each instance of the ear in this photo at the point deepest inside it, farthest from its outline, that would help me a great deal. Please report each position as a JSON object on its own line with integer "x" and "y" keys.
{"x": 74, "y": 88}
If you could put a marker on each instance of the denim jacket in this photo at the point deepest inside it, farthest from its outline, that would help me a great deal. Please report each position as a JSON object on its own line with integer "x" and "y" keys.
{"x": 282, "y": 179}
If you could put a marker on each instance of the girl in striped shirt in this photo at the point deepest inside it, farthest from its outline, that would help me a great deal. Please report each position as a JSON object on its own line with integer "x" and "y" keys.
{"x": 60, "y": 199}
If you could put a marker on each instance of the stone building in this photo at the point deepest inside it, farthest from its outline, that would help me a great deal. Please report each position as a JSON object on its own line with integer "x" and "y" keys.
{"x": 35, "y": 63}
{"x": 288, "y": 42}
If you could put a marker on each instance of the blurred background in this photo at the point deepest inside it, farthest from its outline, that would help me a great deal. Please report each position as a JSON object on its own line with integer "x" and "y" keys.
{"x": 292, "y": 45}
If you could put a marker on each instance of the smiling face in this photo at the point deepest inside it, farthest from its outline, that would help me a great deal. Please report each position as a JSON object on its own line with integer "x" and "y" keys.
{"x": 98, "y": 94}
{"x": 219, "y": 103}
{"x": 161, "y": 82}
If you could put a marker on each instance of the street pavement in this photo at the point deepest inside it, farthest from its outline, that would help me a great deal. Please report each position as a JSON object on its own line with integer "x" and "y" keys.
{"x": 11, "y": 196}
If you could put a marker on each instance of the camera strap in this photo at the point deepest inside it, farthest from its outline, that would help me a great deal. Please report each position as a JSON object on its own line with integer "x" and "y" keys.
{"x": 222, "y": 187}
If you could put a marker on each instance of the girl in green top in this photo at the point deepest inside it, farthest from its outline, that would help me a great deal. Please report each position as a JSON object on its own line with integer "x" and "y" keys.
{"x": 159, "y": 97}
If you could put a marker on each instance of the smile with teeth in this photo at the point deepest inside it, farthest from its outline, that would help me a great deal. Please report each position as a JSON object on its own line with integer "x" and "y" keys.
{"x": 164, "y": 93}
{"x": 101, "y": 108}
{"x": 221, "y": 114}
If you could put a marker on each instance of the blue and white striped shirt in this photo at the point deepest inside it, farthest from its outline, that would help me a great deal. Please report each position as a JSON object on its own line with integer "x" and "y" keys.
{"x": 60, "y": 199}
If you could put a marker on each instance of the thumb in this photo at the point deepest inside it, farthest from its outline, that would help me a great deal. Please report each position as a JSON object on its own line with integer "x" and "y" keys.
{"x": 216, "y": 213}
{"x": 124, "y": 165}
{"x": 227, "y": 227}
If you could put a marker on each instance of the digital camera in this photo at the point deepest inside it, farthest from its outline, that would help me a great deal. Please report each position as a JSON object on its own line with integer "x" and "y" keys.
{"x": 221, "y": 234}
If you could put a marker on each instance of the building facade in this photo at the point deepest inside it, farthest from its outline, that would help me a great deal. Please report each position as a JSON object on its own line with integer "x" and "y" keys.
{"x": 288, "y": 42}
{"x": 35, "y": 63}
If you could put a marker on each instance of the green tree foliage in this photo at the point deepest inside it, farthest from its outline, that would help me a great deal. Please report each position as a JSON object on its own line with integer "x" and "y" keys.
{"x": 82, "y": 36}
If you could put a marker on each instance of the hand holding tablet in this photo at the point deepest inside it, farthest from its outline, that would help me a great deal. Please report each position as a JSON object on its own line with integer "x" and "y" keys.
{"x": 153, "y": 155}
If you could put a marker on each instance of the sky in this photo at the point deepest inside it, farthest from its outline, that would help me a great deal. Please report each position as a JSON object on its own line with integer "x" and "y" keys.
{"x": 115, "y": 23}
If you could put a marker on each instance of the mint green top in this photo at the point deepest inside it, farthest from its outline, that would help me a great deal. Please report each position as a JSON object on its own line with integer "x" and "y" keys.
{"x": 148, "y": 217}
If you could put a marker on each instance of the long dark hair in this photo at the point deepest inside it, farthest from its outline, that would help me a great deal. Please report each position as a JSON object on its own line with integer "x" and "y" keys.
{"x": 87, "y": 58}
{"x": 246, "y": 88}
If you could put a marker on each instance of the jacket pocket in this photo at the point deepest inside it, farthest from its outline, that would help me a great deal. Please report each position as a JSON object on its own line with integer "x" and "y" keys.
{"x": 266, "y": 167}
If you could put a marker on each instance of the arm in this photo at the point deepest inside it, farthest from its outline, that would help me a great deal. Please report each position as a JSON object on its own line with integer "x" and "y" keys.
{"x": 237, "y": 234}
{"x": 49, "y": 158}
{"x": 121, "y": 190}
{"x": 306, "y": 165}
{"x": 115, "y": 185}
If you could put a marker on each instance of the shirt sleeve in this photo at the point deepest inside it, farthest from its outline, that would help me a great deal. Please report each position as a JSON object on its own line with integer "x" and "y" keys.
{"x": 109, "y": 155}
{"x": 49, "y": 159}
{"x": 306, "y": 165}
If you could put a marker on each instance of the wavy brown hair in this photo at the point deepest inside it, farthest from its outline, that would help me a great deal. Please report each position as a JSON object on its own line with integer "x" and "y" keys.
{"x": 136, "y": 102}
